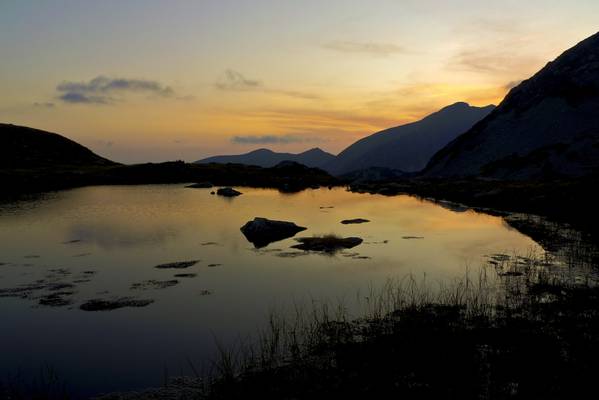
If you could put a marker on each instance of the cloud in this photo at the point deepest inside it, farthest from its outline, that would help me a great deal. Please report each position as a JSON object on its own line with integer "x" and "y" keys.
{"x": 233, "y": 80}
{"x": 236, "y": 82}
{"x": 102, "y": 90}
{"x": 376, "y": 49}
{"x": 43, "y": 104}
{"x": 273, "y": 139}
{"x": 499, "y": 49}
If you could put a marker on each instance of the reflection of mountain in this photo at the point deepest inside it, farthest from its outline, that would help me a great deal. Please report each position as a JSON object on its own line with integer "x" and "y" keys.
{"x": 268, "y": 158}
{"x": 548, "y": 126}
{"x": 111, "y": 235}
{"x": 408, "y": 147}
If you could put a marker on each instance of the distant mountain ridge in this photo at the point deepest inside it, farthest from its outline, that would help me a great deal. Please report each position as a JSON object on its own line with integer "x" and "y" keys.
{"x": 27, "y": 148}
{"x": 315, "y": 158}
{"x": 548, "y": 126}
{"x": 409, "y": 147}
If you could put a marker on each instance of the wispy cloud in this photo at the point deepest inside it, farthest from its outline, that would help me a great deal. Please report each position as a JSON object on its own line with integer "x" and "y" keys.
{"x": 372, "y": 48}
{"x": 236, "y": 82}
{"x": 103, "y": 90}
{"x": 43, "y": 104}
{"x": 233, "y": 80}
{"x": 500, "y": 49}
{"x": 274, "y": 139}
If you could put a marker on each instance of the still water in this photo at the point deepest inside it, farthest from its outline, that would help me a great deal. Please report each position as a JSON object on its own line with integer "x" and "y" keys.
{"x": 96, "y": 242}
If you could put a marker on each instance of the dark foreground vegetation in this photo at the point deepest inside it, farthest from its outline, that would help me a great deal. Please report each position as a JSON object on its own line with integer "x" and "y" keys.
{"x": 520, "y": 328}
{"x": 541, "y": 346}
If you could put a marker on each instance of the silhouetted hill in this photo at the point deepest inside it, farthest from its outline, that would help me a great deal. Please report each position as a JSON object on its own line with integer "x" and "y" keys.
{"x": 546, "y": 127}
{"x": 408, "y": 147}
{"x": 28, "y": 148}
{"x": 267, "y": 158}
{"x": 33, "y": 160}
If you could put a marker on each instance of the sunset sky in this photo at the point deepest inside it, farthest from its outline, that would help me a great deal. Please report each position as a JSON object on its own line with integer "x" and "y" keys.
{"x": 150, "y": 80}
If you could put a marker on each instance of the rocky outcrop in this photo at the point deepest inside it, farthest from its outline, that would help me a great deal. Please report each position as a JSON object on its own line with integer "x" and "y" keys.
{"x": 262, "y": 231}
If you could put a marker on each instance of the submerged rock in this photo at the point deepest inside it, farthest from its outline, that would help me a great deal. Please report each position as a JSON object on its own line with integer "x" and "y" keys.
{"x": 200, "y": 185}
{"x": 262, "y": 231}
{"x": 327, "y": 244}
{"x": 354, "y": 221}
{"x": 178, "y": 265}
{"x": 186, "y": 275}
{"x": 153, "y": 284}
{"x": 228, "y": 192}
{"x": 58, "y": 299}
{"x": 108, "y": 305}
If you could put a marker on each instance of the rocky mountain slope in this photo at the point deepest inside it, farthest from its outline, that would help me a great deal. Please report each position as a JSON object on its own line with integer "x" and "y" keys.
{"x": 546, "y": 127}
{"x": 408, "y": 147}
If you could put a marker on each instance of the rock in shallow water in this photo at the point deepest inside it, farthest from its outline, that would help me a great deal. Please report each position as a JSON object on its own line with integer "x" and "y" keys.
{"x": 108, "y": 305}
{"x": 354, "y": 221}
{"x": 327, "y": 244}
{"x": 178, "y": 265}
{"x": 262, "y": 231}
{"x": 200, "y": 185}
{"x": 228, "y": 192}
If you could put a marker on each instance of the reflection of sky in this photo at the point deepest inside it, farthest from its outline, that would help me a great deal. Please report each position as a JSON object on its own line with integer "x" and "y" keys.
{"x": 108, "y": 236}
{"x": 126, "y": 231}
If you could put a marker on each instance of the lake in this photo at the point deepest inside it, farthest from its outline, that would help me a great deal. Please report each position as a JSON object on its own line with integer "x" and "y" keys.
{"x": 104, "y": 243}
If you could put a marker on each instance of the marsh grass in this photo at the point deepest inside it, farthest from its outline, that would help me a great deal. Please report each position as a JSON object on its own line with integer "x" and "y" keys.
{"x": 45, "y": 385}
{"x": 498, "y": 332}
{"x": 522, "y": 326}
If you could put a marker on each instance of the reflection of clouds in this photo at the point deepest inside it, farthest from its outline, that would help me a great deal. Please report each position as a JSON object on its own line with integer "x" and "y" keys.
{"x": 109, "y": 236}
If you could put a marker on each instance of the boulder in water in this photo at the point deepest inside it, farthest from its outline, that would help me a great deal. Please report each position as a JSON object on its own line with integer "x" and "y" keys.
{"x": 263, "y": 231}
{"x": 228, "y": 192}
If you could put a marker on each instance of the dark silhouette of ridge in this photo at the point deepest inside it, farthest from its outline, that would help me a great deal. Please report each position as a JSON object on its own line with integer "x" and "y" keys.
{"x": 408, "y": 147}
{"x": 27, "y": 148}
{"x": 546, "y": 127}
{"x": 267, "y": 158}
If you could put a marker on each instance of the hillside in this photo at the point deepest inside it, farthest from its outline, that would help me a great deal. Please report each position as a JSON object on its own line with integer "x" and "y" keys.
{"x": 546, "y": 127}
{"x": 27, "y": 148}
{"x": 267, "y": 158}
{"x": 409, "y": 147}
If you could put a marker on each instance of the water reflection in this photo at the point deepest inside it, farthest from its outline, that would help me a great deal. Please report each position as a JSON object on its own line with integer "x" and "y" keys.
{"x": 120, "y": 234}
{"x": 100, "y": 245}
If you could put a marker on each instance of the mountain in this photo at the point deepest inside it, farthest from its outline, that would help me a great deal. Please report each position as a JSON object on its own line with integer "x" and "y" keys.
{"x": 548, "y": 126}
{"x": 28, "y": 148}
{"x": 408, "y": 147}
{"x": 267, "y": 158}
